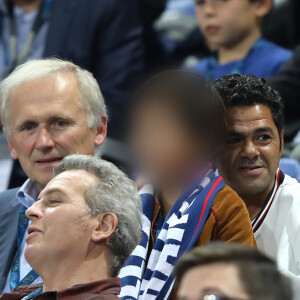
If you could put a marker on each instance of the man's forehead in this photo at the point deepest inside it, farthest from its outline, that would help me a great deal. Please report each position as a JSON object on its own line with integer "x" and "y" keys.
{"x": 69, "y": 181}
{"x": 249, "y": 116}
{"x": 44, "y": 103}
{"x": 56, "y": 89}
{"x": 61, "y": 80}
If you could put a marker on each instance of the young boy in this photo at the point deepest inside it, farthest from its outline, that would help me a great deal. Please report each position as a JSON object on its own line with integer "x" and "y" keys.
{"x": 233, "y": 28}
{"x": 177, "y": 126}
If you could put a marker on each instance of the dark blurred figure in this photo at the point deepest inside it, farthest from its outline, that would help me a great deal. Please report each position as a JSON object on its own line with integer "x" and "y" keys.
{"x": 287, "y": 83}
{"x": 104, "y": 37}
{"x": 150, "y": 11}
{"x": 226, "y": 271}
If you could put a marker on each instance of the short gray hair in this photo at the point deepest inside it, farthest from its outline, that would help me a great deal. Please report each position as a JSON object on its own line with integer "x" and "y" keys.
{"x": 89, "y": 91}
{"x": 116, "y": 193}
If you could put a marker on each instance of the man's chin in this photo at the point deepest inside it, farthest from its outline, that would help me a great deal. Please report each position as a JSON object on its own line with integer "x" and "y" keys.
{"x": 30, "y": 254}
{"x": 41, "y": 180}
{"x": 250, "y": 187}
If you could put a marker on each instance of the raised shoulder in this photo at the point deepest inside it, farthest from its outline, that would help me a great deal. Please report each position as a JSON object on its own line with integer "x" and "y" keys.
{"x": 8, "y": 200}
{"x": 227, "y": 198}
{"x": 234, "y": 224}
{"x": 9, "y": 214}
{"x": 291, "y": 183}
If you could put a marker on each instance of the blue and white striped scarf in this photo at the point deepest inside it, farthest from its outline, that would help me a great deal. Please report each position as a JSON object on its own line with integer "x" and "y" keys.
{"x": 153, "y": 279}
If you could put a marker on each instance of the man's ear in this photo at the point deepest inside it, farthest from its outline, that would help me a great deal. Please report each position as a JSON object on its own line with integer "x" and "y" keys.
{"x": 282, "y": 142}
{"x": 262, "y": 8}
{"x": 107, "y": 224}
{"x": 101, "y": 132}
{"x": 12, "y": 150}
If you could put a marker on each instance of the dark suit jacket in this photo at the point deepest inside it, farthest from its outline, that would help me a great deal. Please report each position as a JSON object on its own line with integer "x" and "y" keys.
{"x": 287, "y": 83}
{"x": 9, "y": 217}
{"x": 104, "y": 37}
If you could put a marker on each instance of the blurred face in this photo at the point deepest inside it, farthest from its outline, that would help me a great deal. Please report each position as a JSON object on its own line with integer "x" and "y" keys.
{"x": 60, "y": 223}
{"x": 47, "y": 123}
{"x": 221, "y": 280}
{"x": 166, "y": 150}
{"x": 250, "y": 156}
{"x": 226, "y": 22}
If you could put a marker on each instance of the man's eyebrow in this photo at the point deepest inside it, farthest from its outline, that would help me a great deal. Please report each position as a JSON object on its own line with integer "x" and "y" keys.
{"x": 234, "y": 133}
{"x": 49, "y": 120}
{"x": 264, "y": 129}
{"x": 59, "y": 117}
{"x": 50, "y": 192}
{"x": 25, "y": 122}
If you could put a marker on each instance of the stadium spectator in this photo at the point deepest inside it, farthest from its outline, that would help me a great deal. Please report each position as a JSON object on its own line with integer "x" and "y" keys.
{"x": 79, "y": 225}
{"x": 227, "y": 271}
{"x": 104, "y": 37}
{"x": 177, "y": 126}
{"x": 50, "y": 109}
{"x": 249, "y": 161}
{"x": 233, "y": 29}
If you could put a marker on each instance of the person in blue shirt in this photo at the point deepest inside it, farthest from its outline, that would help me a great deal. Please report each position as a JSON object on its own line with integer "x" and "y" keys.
{"x": 232, "y": 28}
{"x": 42, "y": 99}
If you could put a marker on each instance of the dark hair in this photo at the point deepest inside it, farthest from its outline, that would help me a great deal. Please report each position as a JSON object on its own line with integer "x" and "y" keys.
{"x": 195, "y": 101}
{"x": 258, "y": 273}
{"x": 249, "y": 90}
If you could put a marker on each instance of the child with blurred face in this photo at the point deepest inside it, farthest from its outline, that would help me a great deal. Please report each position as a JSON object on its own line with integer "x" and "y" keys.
{"x": 168, "y": 133}
{"x": 177, "y": 125}
{"x": 233, "y": 27}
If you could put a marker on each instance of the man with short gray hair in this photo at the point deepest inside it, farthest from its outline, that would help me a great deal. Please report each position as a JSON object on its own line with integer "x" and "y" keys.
{"x": 50, "y": 109}
{"x": 85, "y": 224}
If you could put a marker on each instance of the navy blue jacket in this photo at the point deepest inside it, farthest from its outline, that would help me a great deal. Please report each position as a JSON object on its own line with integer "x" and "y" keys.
{"x": 9, "y": 217}
{"x": 104, "y": 37}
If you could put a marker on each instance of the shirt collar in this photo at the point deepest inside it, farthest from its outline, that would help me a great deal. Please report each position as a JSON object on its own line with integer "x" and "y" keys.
{"x": 23, "y": 15}
{"x": 18, "y": 11}
{"x": 33, "y": 294}
{"x": 109, "y": 286}
{"x": 28, "y": 193}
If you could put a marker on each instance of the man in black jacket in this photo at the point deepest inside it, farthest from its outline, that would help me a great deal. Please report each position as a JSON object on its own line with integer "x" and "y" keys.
{"x": 104, "y": 37}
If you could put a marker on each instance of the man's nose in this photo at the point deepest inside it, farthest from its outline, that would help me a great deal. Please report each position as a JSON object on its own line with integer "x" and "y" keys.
{"x": 250, "y": 150}
{"x": 34, "y": 212}
{"x": 44, "y": 139}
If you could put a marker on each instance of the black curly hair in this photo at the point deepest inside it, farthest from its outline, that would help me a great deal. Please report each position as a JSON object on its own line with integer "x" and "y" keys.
{"x": 249, "y": 90}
